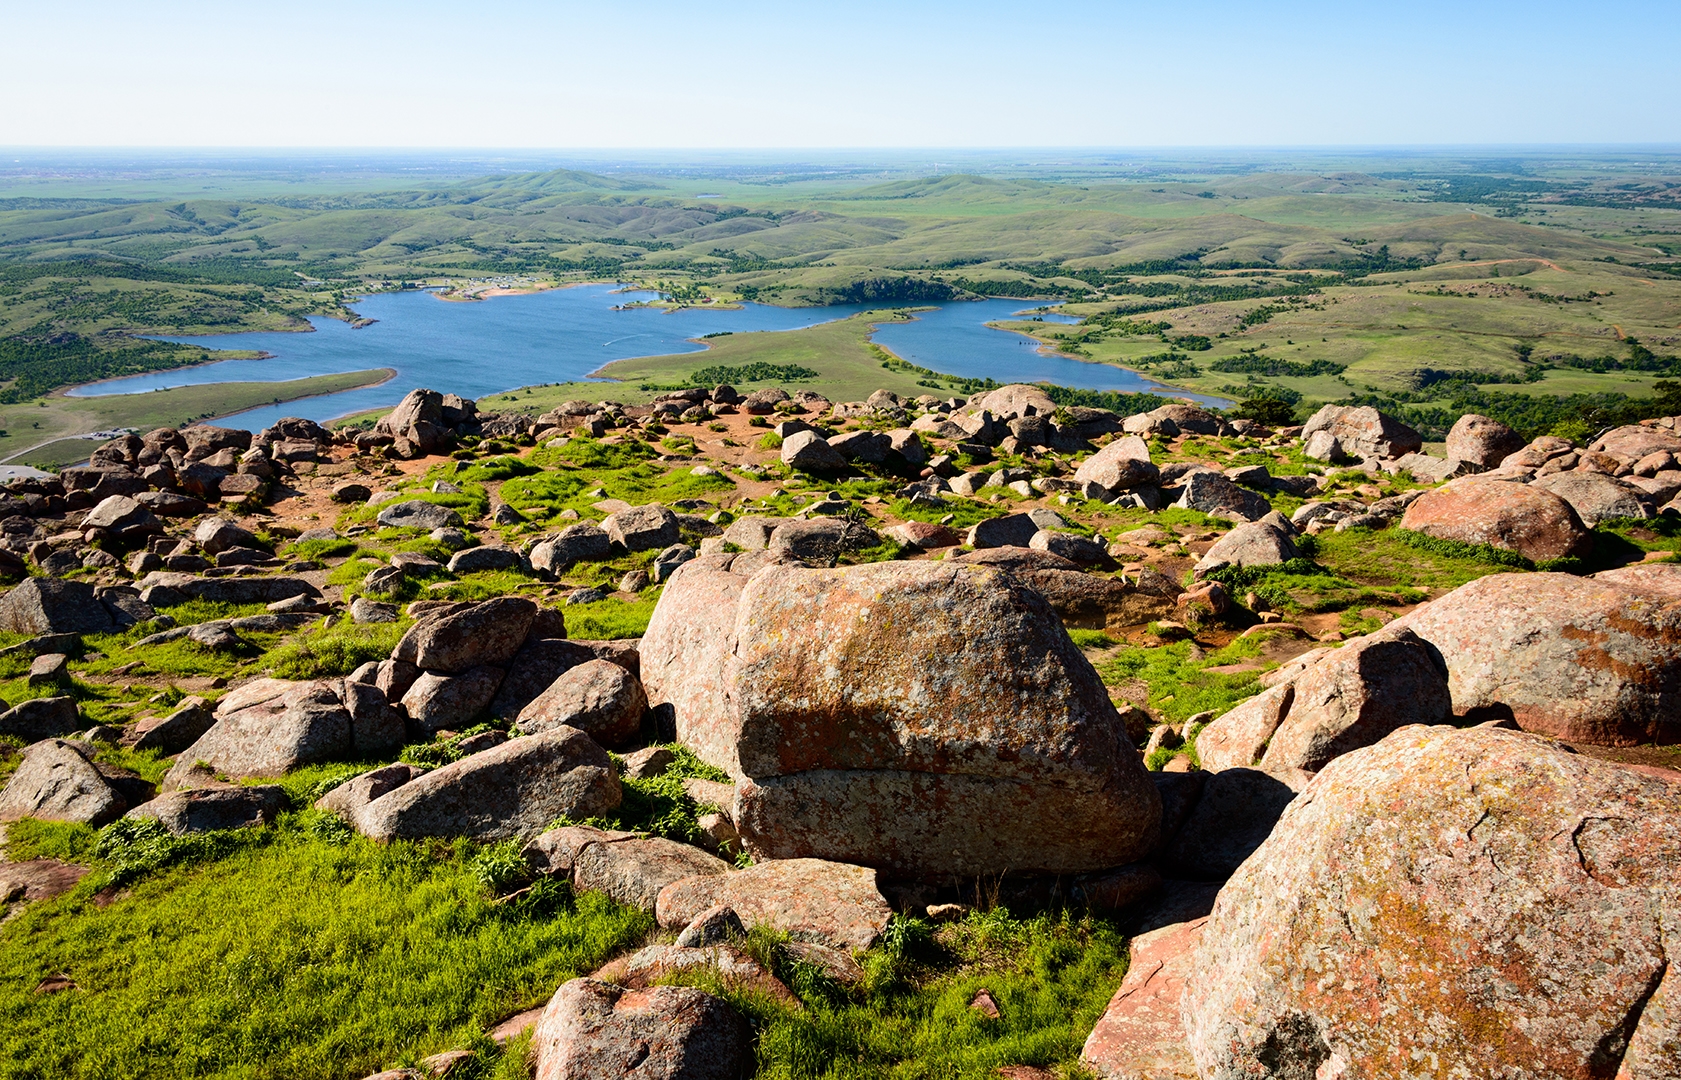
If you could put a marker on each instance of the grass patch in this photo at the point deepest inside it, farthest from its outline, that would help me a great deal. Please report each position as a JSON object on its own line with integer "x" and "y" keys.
{"x": 1401, "y": 557}
{"x": 658, "y": 805}
{"x": 1051, "y": 976}
{"x": 1179, "y": 686}
{"x": 318, "y": 653}
{"x": 612, "y": 618}
{"x": 294, "y": 958}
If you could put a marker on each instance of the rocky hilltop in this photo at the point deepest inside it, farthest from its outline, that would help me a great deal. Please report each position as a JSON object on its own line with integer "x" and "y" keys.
{"x": 897, "y": 661}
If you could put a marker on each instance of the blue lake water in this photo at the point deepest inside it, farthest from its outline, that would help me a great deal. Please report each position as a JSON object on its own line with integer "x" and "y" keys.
{"x": 560, "y": 335}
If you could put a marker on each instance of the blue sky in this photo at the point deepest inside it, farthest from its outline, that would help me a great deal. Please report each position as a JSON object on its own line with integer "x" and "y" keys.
{"x": 909, "y": 74}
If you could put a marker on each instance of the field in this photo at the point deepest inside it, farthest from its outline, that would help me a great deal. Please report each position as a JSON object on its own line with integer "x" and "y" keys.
{"x": 40, "y": 433}
{"x": 1416, "y": 281}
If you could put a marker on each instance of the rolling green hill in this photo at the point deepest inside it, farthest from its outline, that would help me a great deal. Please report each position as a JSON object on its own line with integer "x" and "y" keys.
{"x": 1391, "y": 269}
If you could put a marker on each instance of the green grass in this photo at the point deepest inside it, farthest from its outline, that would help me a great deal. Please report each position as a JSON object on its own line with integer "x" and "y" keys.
{"x": 292, "y": 958}
{"x": 337, "y": 650}
{"x": 611, "y": 619}
{"x": 1398, "y": 558}
{"x": 621, "y": 475}
{"x": 1179, "y": 686}
{"x": 1051, "y": 976}
{"x": 24, "y": 425}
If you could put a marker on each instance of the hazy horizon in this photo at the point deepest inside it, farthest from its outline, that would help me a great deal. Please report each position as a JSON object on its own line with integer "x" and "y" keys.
{"x": 764, "y": 76}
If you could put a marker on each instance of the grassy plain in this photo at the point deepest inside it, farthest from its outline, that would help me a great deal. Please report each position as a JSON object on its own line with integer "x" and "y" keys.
{"x": 41, "y": 433}
{"x": 1385, "y": 270}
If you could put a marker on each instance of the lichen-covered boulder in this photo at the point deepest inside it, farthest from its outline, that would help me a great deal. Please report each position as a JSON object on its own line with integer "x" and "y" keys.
{"x": 930, "y": 719}
{"x": 1517, "y": 517}
{"x": 811, "y": 900}
{"x": 1362, "y": 432}
{"x": 268, "y": 728}
{"x": 1593, "y": 660}
{"x": 56, "y": 782}
{"x": 598, "y": 697}
{"x": 1449, "y": 902}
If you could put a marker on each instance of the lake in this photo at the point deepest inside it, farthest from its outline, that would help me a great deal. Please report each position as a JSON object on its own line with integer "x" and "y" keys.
{"x": 560, "y": 335}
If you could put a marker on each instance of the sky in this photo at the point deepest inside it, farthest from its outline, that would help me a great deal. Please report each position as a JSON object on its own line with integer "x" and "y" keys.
{"x": 371, "y": 73}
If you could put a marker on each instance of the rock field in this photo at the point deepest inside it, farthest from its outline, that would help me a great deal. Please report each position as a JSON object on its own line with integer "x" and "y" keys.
{"x": 1434, "y": 832}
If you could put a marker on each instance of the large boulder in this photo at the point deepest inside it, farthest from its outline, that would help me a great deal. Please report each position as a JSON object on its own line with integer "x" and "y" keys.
{"x": 53, "y": 606}
{"x": 1360, "y": 432}
{"x": 1595, "y": 496}
{"x": 1013, "y": 530}
{"x": 1351, "y": 697}
{"x": 642, "y": 528}
{"x": 1012, "y": 400}
{"x": 511, "y": 790}
{"x": 810, "y": 900}
{"x": 1517, "y": 517}
{"x": 584, "y": 541}
{"x": 807, "y": 451}
{"x": 931, "y": 719}
{"x": 1253, "y": 543}
{"x": 40, "y": 718}
{"x": 122, "y": 518}
{"x": 1211, "y": 493}
{"x": 821, "y": 539}
{"x": 418, "y": 514}
{"x": 468, "y": 637}
{"x": 268, "y": 728}
{"x": 1121, "y": 466}
{"x": 55, "y": 782}
{"x": 1593, "y": 660}
{"x": 215, "y": 809}
{"x": 598, "y": 697}
{"x": 688, "y": 653}
{"x": 634, "y": 871}
{"x": 1631, "y": 442}
{"x": 435, "y": 702}
{"x": 1482, "y": 441}
{"x": 593, "y": 1030}
{"x": 1473, "y": 902}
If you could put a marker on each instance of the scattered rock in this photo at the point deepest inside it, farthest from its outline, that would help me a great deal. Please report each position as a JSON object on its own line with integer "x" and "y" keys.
{"x": 634, "y": 871}
{"x": 1595, "y": 496}
{"x": 52, "y": 606}
{"x": 41, "y": 718}
{"x": 1141, "y": 1034}
{"x": 642, "y": 528}
{"x": 811, "y": 900}
{"x": 598, "y": 1031}
{"x": 55, "y": 782}
{"x": 511, "y": 790}
{"x": 597, "y": 697}
{"x": 1482, "y": 441}
{"x": 207, "y": 809}
{"x": 415, "y": 514}
{"x": 490, "y": 632}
